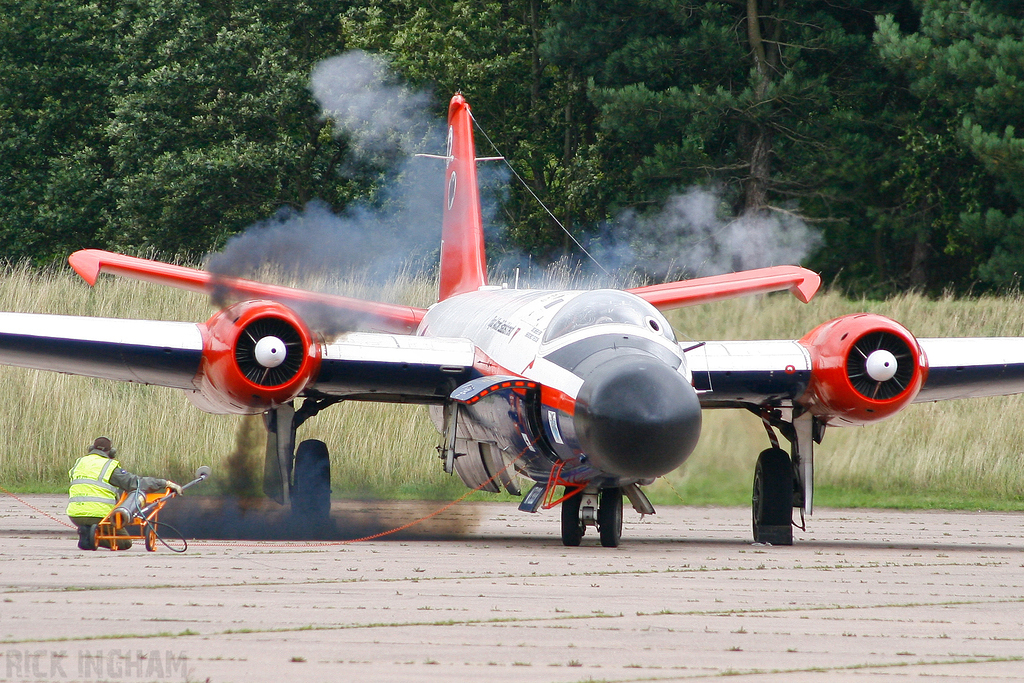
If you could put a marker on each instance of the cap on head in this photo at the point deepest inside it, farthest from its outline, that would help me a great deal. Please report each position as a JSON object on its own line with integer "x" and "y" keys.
{"x": 103, "y": 445}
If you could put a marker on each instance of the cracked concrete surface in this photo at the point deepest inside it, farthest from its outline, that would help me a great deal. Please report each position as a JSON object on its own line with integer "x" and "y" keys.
{"x": 492, "y": 594}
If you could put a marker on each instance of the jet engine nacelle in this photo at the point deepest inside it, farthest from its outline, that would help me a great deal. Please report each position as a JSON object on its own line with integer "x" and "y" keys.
{"x": 865, "y": 368}
{"x": 256, "y": 355}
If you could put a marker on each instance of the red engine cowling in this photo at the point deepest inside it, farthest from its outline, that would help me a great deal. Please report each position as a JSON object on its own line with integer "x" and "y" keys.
{"x": 240, "y": 375}
{"x": 865, "y": 368}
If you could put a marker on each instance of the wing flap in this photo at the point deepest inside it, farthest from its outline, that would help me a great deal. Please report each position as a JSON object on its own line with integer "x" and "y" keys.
{"x": 730, "y": 373}
{"x": 972, "y": 368}
{"x": 89, "y": 263}
{"x": 165, "y": 354}
{"x": 390, "y": 367}
{"x": 801, "y": 282}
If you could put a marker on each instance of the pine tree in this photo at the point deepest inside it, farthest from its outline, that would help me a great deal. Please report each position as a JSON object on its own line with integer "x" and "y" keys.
{"x": 965, "y": 67}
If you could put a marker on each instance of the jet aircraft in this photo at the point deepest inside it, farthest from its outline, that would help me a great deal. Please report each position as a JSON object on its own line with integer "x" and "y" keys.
{"x": 589, "y": 395}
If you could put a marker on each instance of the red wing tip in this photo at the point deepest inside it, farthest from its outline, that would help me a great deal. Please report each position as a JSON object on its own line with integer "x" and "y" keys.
{"x": 805, "y": 289}
{"x": 87, "y": 264}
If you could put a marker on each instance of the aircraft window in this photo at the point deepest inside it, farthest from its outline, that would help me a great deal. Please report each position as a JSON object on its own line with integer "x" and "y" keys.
{"x": 603, "y": 307}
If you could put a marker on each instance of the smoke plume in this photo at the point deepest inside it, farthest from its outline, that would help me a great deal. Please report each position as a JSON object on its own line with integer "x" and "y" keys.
{"x": 359, "y": 93}
{"x": 694, "y": 235}
{"x": 245, "y": 464}
{"x": 383, "y": 123}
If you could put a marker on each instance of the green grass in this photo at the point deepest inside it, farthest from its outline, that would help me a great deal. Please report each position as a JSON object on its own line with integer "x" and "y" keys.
{"x": 960, "y": 454}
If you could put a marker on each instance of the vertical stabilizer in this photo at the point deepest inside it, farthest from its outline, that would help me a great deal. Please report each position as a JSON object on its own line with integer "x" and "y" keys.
{"x": 463, "y": 266}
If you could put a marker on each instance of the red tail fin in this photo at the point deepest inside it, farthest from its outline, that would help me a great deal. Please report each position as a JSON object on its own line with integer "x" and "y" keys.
{"x": 463, "y": 265}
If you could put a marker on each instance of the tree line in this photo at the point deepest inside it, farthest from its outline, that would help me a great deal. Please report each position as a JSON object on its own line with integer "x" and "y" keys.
{"x": 890, "y": 128}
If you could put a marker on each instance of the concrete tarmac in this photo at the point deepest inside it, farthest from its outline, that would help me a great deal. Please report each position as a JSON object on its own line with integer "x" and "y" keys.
{"x": 489, "y": 593}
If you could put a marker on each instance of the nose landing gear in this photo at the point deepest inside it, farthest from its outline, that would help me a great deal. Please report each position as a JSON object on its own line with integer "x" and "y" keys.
{"x": 601, "y": 508}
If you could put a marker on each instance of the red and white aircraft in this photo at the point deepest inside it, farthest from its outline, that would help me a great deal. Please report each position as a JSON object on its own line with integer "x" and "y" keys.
{"x": 586, "y": 393}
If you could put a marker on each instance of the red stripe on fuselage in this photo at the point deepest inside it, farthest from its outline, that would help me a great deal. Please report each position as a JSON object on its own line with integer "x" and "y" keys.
{"x": 549, "y": 396}
{"x": 557, "y": 400}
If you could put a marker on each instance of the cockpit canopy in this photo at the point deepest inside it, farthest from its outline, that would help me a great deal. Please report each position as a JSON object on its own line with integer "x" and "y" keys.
{"x": 607, "y": 306}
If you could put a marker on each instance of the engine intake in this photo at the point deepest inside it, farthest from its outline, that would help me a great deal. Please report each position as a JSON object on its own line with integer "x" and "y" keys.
{"x": 269, "y": 351}
{"x": 865, "y": 368}
{"x": 256, "y": 355}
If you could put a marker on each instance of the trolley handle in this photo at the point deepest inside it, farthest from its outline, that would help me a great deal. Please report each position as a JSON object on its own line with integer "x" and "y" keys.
{"x": 201, "y": 473}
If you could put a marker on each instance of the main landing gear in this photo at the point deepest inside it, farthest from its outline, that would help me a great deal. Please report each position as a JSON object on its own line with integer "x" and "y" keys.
{"x": 298, "y": 478}
{"x": 772, "y": 500}
{"x": 783, "y": 482}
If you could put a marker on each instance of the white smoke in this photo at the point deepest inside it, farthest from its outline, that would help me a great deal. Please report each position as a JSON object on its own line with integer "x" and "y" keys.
{"x": 358, "y": 92}
{"x": 694, "y": 235}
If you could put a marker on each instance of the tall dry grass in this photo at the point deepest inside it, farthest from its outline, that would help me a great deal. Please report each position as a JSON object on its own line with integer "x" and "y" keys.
{"x": 385, "y": 450}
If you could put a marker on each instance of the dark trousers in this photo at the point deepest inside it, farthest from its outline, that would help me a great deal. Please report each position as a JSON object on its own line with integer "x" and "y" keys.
{"x": 85, "y": 530}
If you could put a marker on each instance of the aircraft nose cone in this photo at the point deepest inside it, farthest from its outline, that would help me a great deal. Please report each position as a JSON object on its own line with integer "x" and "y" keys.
{"x": 637, "y": 417}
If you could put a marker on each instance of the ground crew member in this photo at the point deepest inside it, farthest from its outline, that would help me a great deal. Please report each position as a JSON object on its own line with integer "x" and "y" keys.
{"x": 95, "y": 480}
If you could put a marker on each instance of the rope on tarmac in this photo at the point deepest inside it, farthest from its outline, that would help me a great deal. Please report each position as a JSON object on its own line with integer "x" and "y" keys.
{"x": 33, "y": 507}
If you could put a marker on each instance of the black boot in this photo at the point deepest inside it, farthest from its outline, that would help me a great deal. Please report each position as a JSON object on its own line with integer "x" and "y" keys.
{"x": 85, "y": 541}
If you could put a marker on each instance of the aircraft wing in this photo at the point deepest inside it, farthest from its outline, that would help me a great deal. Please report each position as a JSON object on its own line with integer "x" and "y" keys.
{"x": 394, "y": 367}
{"x": 801, "y": 282}
{"x": 776, "y": 372}
{"x": 734, "y": 373}
{"x": 149, "y": 352}
{"x": 972, "y": 368}
{"x": 380, "y": 317}
{"x": 181, "y": 355}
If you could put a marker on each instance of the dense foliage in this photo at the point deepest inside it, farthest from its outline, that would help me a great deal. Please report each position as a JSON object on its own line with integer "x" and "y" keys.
{"x": 889, "y": 127}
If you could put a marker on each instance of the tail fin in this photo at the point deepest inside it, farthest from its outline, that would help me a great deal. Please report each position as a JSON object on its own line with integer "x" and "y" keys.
{"x": 463, "y": 264}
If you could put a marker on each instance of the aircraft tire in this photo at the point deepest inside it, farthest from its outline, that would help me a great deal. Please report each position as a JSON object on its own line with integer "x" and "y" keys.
{"x": 609, "y": 517}
{"x": 772, "y": 499}
{"x": 572, "y": 526}
{"x": 311, "y": 493}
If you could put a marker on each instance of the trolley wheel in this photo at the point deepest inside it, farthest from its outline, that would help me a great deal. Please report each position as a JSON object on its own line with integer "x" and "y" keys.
{"x": 150, "y": 536}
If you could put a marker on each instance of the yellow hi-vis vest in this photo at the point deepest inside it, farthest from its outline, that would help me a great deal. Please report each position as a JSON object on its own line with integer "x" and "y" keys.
{"x": 91, "y": 493}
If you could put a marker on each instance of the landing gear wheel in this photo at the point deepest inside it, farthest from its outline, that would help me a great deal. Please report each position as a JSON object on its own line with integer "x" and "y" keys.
{"x": 311, "y": 493}
{"x": 772, "y": 501}
{"x": 572, "y": 525}
{"x": 609, "y": 517}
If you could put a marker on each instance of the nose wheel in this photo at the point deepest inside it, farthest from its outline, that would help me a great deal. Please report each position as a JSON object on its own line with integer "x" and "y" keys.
{"x": 573, "y": 527}
{"x": 602, "y": 509}
{"x": 609, "y": 517}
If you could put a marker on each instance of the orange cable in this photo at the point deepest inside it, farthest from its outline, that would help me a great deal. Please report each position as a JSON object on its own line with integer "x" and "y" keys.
{"x": 29, "y": 505}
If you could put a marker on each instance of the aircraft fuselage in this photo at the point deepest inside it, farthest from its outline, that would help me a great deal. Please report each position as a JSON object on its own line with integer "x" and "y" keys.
{"x": 616, "y": 404}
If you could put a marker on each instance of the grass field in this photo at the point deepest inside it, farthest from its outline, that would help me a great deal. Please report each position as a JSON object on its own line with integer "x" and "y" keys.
{"x": 967, "y": 454}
